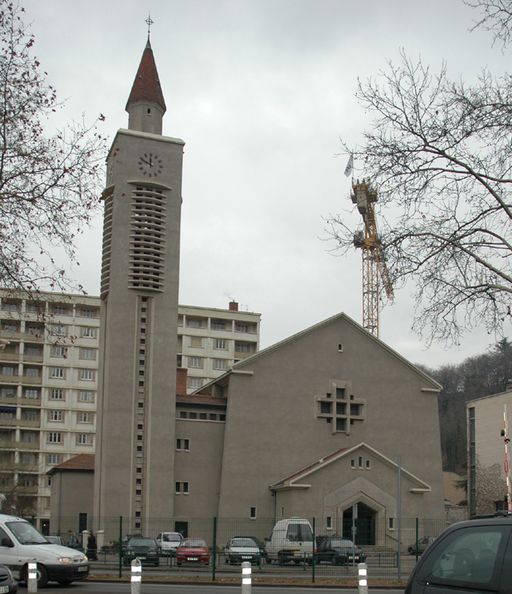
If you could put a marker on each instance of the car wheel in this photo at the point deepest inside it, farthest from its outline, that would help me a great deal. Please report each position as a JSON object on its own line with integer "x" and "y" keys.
{"x": 64, "y": 582}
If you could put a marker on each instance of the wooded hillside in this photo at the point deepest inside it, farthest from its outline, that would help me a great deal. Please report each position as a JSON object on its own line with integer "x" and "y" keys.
{"x": 486, "y": 374}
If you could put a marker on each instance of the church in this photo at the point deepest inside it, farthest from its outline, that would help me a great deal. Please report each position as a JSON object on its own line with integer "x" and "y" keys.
{"x": 329, "y": 424}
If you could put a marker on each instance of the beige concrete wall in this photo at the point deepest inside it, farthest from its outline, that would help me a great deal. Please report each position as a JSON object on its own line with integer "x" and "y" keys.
{"x": 272, "y": 428}
{"x": 71, "y": 494}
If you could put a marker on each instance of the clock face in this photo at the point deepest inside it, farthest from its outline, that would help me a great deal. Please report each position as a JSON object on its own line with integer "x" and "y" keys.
{"x": 150, "y": 164}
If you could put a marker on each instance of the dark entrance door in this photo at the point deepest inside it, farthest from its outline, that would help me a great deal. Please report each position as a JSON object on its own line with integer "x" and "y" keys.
{"x": 361, "y": 529}
{"x": 182, "y": 528}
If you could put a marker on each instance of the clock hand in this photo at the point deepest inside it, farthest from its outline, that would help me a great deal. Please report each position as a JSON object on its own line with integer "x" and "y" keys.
{"x": 146, "y": 161}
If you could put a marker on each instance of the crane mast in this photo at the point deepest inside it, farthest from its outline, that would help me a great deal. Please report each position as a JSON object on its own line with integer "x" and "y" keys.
{"x": 374, "y": 269}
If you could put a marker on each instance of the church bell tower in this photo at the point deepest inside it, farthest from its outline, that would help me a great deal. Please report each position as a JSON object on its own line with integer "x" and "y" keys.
{"x": 134, "y": 474}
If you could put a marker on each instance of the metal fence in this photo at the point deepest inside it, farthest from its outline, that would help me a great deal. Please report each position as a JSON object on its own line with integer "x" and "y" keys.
{"x": 389, "y": 553}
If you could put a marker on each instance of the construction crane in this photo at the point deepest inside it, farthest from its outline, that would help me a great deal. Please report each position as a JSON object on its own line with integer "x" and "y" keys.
{"x": 374, "y": 266}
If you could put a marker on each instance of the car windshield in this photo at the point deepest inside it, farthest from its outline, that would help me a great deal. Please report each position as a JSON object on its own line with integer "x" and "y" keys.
{"x": 25, "y": 533}
{"x": 193, "y": 542}
{"x": 243, "y": 542}
{"x": 345, "y": 544}
{"x": 172, "y": 538}
{"x": 141, "y": 542}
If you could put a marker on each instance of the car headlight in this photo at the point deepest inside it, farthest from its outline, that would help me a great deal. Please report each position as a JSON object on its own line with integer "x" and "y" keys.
{"x": 65, "y": 560}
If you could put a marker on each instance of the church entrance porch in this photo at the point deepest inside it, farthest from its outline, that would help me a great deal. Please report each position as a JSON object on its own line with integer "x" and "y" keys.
{"x": 359, "y": 523}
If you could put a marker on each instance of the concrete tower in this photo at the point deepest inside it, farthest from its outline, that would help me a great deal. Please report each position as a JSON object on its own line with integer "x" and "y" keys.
{"x": 134, "y": 475}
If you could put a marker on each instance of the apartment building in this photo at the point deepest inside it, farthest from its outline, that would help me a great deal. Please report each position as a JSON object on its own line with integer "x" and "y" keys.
{"x": 48, "y": 381}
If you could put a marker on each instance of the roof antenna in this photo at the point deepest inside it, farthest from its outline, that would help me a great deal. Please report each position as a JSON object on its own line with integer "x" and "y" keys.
{"x": 149, "y": 21}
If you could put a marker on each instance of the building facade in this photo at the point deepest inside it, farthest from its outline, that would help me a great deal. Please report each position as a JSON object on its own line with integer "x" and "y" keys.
{"x": 49, "y": 381}
{"x": 488, "y": 429}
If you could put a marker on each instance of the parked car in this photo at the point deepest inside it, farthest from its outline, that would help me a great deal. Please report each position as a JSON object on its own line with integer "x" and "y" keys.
{"x": 471, "y": 556}
{"x": 338, "y": 551}
{"x": 260, "y": 544}
{"x": 142, "y": 548}
{"x": 421, "y": 545}
{"x": 193, "y": 550}
{"x": 242, "y": 548}
{"x": 8, "y": 585}
{"x": 169, "y": 542}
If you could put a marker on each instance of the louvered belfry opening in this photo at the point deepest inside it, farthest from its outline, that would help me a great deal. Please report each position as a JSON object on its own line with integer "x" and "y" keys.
{"x": 147, "y": 239}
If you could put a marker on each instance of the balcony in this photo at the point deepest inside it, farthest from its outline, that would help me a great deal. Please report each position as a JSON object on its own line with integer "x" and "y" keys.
{"x": 10, "y": 379}
{"x": 30, "y": 379}
{"x": 27, "y": 445}
{"x": 33, "y": 357}
{"x": 8, "y": 444}
{"x": 8, "y": 356}
{"x": 26, "y": 490}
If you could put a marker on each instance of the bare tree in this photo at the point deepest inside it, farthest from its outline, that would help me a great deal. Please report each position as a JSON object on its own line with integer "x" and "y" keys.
{"x": 495, "y": 16}
{"x": 49, "y": 184}
{"x": 439, "y": 154}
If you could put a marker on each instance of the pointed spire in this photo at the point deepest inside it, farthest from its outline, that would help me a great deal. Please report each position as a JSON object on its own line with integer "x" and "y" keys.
{"x": 146, "y": 86}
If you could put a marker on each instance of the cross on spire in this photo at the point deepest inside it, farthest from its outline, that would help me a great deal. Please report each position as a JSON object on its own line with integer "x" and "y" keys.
{"x": 149, "y": 21}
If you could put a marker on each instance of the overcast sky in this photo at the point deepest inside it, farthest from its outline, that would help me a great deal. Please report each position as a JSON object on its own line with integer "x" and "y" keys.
{"x": 260, "y": 91}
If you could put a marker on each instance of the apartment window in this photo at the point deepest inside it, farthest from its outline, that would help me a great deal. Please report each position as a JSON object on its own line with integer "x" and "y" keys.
{"x": 241, "y": 327}
{"x": 57, "y": 350}
{"x": 328, "y": 523}
{"x": 56, "y": 416}
{"x": 196, "y": 362}
{"x": 220, "y": 364}
{"x": 391, "y": 523}
{"x": 57, "y": 394}
{"x": 52, "y": 459}
{"x": 360, "y": 462}
{"x": 352, "y": 463}
{"x": 54, "y": 437}
{"x": 31, "y": 394}
{"x": 88, "y": 312}
{"x": 196, "y": 342}
{"x": 57, "y": 373}
{"x": 85, "y": 417}
{"x": 367, "y": 464}
{"x": 218, "y": 325}
{"x": 32, "y": 372}
{"x": 29, "y": 415}
{"x": 87, "y": 332}
{"x": 243, "y": 347}
{"x": 182, "y": 488}
{"x": 8, "y": 392}
{"x": 86, "y": 396}
{"x": 220, "y": 344}
{"x": 61, "y": 309}
{"x": 183, "y": 445}
{"x": 252, "y": 513}
{"x": 195, "y": 382}
{"x": 8, "y": 370}
{"x": 196, "y": 322}
{"x": 84, "y": 439}
{"x": 59, "y": 330}
{"x": 87, "y": 354}
{"x": 87, "y": 375}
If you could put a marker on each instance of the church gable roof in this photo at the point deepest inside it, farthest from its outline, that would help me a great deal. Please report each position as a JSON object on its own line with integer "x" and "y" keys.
{"x": 299, "y": 479}
{"x": 239, "y": 368}
{"x": 146, "y": 86}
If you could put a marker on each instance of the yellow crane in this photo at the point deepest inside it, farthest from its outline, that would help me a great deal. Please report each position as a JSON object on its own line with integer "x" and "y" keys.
{"x": 374, "y": 266}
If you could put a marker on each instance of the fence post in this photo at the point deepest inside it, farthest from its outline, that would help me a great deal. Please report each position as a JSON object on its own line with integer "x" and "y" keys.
{"x": 120, "y": 545}
{"x": 214, "y": 548}
{"x": 313, "y": 563}
{"x": 32, "y": 577}
{"x": 246, "y": 577}
{"x": 136, "y": 576}
{"x": 362, "y": 574}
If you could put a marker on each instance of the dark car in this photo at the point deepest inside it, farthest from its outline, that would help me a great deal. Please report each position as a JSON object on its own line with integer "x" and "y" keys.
{"x": 473, "y": 556}
{"x": 8, "y": 585}
{"x": 338, "y": 551}
{"x": 144, "y": 549}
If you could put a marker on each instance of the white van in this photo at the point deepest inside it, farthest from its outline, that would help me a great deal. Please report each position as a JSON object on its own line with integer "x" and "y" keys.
{"x": 20, "y": 543}
{"x": 291, "y": 540}
{"x": 169, "y": 542}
